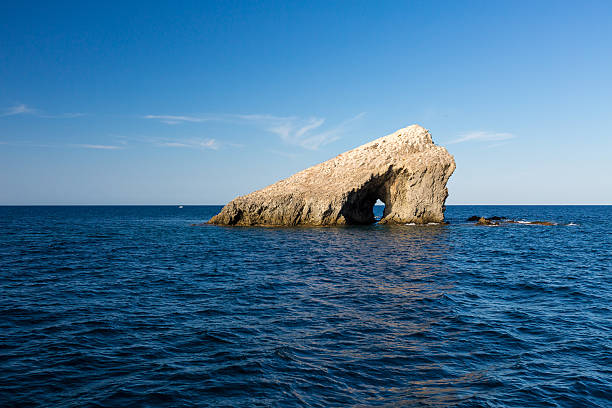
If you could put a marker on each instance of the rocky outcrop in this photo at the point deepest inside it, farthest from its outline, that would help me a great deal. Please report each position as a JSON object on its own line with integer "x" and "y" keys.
{"x": 477, "y": 218}
{"x": 486, "y": 221}
{"x": 496, "y": 221}
{"x": 405, "y": 170}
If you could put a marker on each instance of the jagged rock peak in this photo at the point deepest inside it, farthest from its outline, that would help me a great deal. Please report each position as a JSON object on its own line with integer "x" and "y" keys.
{"x": 405, "y": 170}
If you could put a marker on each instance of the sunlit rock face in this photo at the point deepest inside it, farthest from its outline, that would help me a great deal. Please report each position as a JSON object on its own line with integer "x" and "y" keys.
{"x": 405, "y": 170}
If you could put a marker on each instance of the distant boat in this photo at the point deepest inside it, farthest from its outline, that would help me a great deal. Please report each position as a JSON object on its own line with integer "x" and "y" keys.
{"x": 180, "y": 206}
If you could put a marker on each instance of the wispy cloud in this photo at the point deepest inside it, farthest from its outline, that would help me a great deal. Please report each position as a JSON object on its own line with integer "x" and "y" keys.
{"x": 482, "y": 136}
{"x": 202, "y": 143}
{"x": 317, "y": 139}
{"x": 308, "y": 133}
{"x": 23, "y": 109}
{"x": 293, "y": 130}
{"x": 18, "y": 110}
{"x": 175, "y": 119}
{"x": 207, "y": 144}
{"x": 98, "y": 147}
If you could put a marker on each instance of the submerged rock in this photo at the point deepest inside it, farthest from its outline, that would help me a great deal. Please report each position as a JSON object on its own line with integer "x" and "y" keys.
{"x": 405, "y": 170}
{"x": 486, "y": 221}
{"x": 494, "y": 218}
{"x": 499, "y": 220}
{"x": 547, "y": 223}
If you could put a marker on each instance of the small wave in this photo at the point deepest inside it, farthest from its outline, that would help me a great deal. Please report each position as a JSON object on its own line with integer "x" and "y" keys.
{"x": 523, "y": 222}
{"x": 163, "y": 314}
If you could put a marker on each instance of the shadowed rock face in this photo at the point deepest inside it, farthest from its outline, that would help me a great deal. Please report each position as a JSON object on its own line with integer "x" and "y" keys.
{"x": 405, "y": 170}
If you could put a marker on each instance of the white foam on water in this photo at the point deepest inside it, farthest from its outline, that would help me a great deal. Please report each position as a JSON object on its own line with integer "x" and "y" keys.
{"x": 411, "y": 223}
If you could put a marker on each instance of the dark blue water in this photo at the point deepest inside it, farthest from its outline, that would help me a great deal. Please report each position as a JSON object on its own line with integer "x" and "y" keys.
{"x": 133, "y": 306}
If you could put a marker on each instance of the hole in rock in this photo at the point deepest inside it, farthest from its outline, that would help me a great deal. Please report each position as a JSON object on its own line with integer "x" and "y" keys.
{"x": 378, "y": 209}
{"x": 366, "y": 205}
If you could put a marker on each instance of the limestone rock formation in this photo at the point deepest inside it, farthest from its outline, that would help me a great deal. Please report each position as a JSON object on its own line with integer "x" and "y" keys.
{"x": 405, "y": 170}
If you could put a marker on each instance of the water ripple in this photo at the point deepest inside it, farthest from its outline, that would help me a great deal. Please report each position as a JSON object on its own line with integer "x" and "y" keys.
{"x": 132, "y": 306}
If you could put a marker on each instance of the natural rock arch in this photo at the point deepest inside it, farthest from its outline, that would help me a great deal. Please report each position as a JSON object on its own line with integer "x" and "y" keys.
{"x": 405, "y": 170}
{"x": 359, "y": 205}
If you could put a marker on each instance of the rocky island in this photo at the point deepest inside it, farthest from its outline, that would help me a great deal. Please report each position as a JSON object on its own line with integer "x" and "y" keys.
{"x": 405, "y": 170}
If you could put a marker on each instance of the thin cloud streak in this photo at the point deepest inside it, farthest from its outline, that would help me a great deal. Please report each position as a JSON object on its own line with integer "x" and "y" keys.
{"x": 174, "y": 120}
{"x": 23, "y": 109}
{"x": 201, "y": 143}
{"x": 317, "y": 140}
{"x": 482, "y": 136}
{"x": 301, "y": 131}
{"x": 206, "y": 144}
{"x": 293, "y": 130}
{"x": 97, "y": 147}
{"x": 17, "y": 110}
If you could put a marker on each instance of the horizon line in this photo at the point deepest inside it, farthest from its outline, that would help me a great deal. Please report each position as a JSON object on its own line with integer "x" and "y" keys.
{"x": 217, "y": 205}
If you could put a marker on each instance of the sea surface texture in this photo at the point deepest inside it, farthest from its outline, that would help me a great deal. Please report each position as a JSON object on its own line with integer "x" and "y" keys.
{"x": 134, "y": 306}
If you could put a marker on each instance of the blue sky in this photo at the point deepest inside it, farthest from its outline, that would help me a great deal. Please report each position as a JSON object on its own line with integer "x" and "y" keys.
{"x": 196, "y": 103}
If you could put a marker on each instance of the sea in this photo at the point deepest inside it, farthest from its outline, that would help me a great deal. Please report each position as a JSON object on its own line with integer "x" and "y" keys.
{"x": 135, "y": 306}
